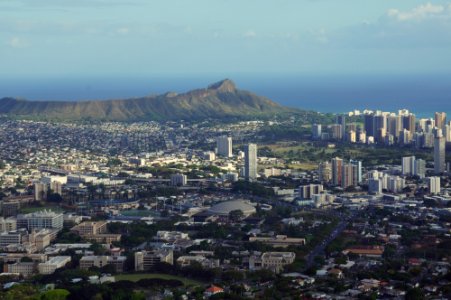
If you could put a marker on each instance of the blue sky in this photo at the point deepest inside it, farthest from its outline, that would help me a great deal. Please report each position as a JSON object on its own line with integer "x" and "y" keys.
{"x": 144, "y": 37}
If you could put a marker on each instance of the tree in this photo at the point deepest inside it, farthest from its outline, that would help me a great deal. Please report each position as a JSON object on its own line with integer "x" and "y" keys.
{"x": 415, "y": 294}
{"x": 57, "y": 294}
{"x": 54, "y": 197}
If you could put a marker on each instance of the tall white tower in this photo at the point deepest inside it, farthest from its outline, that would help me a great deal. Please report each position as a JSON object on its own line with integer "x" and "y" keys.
{"x": 439, "y": 152}
{"x": 224, "y": 145}
{"x": 250, "y": 162}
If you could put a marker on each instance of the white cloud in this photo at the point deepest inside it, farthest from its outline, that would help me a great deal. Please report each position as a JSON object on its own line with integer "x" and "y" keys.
{"x": 16, "y": 42}
{"x": 123, "y": 30}
{"x": 250, "y": 34}
{"x": 418, "y": 13}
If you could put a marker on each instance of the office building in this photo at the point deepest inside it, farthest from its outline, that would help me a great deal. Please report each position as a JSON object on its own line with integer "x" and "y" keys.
{"x": 250, "y": 162}
{"x": 224, "y": 146}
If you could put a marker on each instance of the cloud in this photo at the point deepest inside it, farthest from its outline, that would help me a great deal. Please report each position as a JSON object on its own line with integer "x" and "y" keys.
{"x": 420, "y": 12}
{"x": 16, "y": 42}
{"x": 424, "y": 26}
{"x": 250, "y": 34}
{"x": 123, "y": 30}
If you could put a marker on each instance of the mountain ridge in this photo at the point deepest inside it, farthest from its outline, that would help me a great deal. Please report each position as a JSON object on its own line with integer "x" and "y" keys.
{"x": 218, "y": 100}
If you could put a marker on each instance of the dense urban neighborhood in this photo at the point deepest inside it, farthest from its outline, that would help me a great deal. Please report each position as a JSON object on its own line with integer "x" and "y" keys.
{"x": 347, "y": 206}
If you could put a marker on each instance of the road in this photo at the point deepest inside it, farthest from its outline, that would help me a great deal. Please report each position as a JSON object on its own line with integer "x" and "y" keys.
{"x": 320, "y": 248}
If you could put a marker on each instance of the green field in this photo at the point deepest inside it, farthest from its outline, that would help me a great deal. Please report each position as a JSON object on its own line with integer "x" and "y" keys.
{"x": 136, "y": 277}
{"x": 31, "y": 209}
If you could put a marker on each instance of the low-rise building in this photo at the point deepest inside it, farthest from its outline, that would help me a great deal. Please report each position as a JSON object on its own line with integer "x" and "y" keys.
{"x": 26, "y": 269}
{"x": 50, "y": 266}
{"x": 278, "y": 241}
{"x": 40, "y": 219}
{"x": 101, "y": 261}
{"x": 187, "y": 260}
{"x": 146, "y": 260}
{"x": 274, "y": 261}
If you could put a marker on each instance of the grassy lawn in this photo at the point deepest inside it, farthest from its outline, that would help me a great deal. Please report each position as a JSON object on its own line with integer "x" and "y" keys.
{"x": 305, "y": 166}
{"x": 136, "y": 277}
{"x": 31, "y": 209}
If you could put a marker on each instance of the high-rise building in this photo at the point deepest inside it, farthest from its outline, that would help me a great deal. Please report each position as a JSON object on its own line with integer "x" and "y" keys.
{"x": 374, "y": 186}
{"x": 347, "y": 175}
{"x": 408, "y": 165}
{"x": 307, "y": 191}
{"x": 434, "y": 185}
{"x": 369, "y": 124}
{"x": 325, "y": 171}
{"x": 337, "y": 171}
{"x": 420, "y": 168}
{"x": 179, "y": 179}
{"x": 405, "y": 137}
{"x": 439, "y": 152}
{"x": 351, "y": 173}
{"x": 357, "y": 170}
{"x": 408, "y": 121}
{"x": 341, "y": 120}
{"x": 224, "y": 146}
{"x": 250, "y": 162}
{"x": 394, "y": 125}
{"x": 380, "y": 127}
{"x": 396, "y": 184}
{"x": 316, "y": 131}
{"x": 40, "y": 191}
{"x": 440, "y": 120}
{"x": 351, "y": 136}
{"x": 447, "y": 133}
{"x": 337, "y": 132}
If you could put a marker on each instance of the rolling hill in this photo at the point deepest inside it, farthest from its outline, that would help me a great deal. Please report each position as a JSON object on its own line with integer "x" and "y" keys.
{"x": 219, "y": 100}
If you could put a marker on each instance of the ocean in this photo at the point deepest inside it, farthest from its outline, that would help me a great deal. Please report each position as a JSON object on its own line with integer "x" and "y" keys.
{"x": 421, "y": 94}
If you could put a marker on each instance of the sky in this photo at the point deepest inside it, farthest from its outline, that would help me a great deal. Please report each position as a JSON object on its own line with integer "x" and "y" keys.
{"x": 57, "y": 38}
